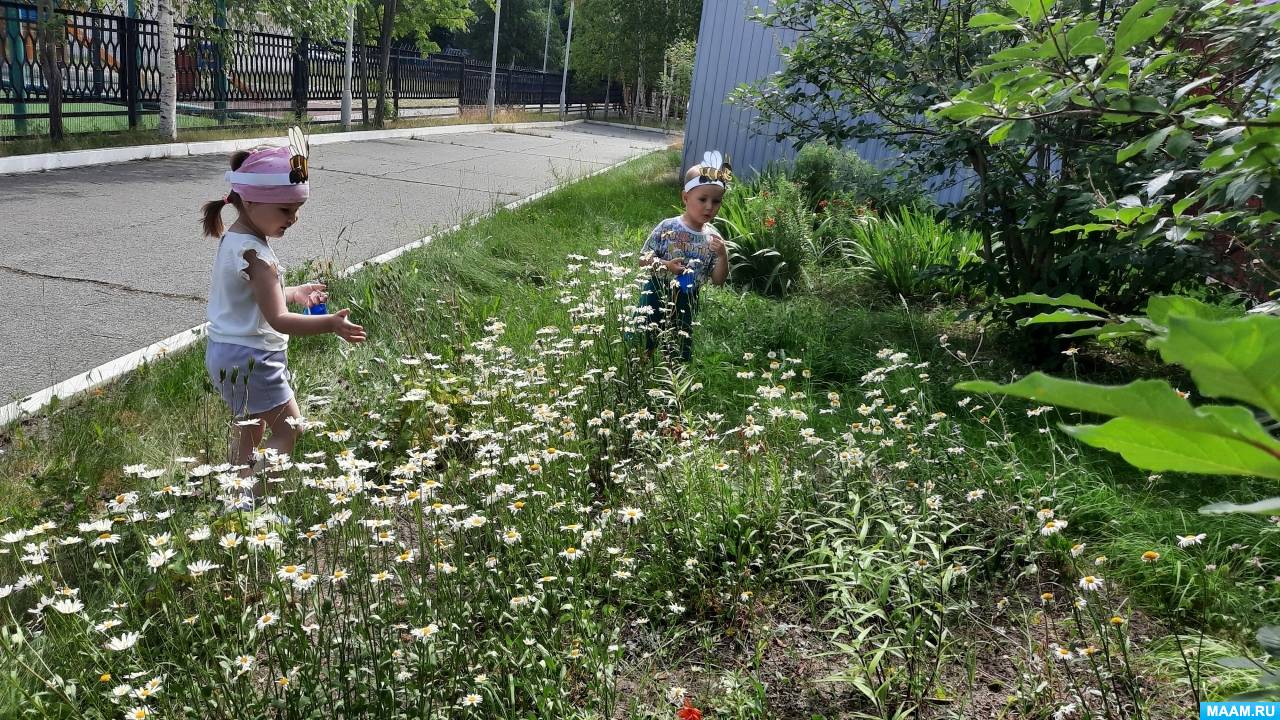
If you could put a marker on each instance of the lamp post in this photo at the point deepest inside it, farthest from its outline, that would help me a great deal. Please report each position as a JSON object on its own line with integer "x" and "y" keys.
{"x": 348, "y": 69}
{"x": 564, "y": 74}
{"x": 546, "y": 40}
{"x": 493, "y": 62}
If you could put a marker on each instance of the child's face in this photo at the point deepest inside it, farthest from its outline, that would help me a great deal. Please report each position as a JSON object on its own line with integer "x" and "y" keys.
{"x": 272, "y": 219}
{"x": 702, "y": 203}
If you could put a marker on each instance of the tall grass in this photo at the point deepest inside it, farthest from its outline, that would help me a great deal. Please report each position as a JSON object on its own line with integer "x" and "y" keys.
{"x": 910, "y": 252}
{"x": 769, "y": 231}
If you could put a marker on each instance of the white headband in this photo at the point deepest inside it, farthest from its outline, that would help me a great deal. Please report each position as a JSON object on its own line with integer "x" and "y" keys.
{"x": 258, "y": 179}
{"x": 699, "y": 181}
{"x": 714, "y": 170}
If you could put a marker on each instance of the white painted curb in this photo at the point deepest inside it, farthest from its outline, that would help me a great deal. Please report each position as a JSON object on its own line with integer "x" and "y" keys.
{"x": 19, "y": 164}
{"x": 121, "y": 366}
{"x": 629, "y": 126}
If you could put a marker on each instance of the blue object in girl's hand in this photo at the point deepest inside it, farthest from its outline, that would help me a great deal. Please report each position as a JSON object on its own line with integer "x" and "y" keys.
{"x": 316, "y": 308}
{"x": 686, "y": 281}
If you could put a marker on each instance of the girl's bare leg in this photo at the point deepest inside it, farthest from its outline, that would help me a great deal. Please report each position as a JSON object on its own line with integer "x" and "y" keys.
{"x": 242, "y": 447}
{"x": 283, "y": 437}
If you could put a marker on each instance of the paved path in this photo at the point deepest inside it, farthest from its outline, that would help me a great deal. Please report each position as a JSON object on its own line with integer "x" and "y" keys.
{"x": 97, "y": 262}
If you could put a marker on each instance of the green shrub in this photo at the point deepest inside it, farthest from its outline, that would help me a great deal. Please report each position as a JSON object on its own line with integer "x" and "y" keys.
{"x": 815, "y": 171}
{"x": 908, "y": 252}
{"x": 826, "y": 172}
{"x": 769, "y": 230}
{"x": 837, "y": 223}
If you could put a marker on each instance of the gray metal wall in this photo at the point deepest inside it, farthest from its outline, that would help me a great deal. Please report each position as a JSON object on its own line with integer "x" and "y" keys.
{"x": 733, "y": 50}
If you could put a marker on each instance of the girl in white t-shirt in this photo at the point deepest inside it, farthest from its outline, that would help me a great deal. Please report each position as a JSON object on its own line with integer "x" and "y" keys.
{"x": 249, "y": 322}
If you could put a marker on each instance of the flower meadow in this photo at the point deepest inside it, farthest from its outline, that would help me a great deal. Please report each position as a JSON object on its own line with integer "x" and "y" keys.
{"x": 520, "y": 519}
{"x": 476, "y": 533}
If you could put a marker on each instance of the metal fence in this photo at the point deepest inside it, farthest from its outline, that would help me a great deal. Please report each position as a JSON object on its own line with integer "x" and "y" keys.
{"x": 110, "y": 77}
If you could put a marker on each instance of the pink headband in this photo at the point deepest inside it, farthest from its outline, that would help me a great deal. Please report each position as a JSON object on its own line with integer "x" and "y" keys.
{"x": 264, "y": 177}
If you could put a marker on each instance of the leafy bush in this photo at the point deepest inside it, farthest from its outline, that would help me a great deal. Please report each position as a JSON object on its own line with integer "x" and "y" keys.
{"x": 815, "y": 171}
{"x": 907, "y": 252}
{"x": 1098, "y": 139}
{"x": 1154, "y": 426}
{"x": 1155, "y": 118}
{"x": 769, "y": 231}
{"x": 826, "y": 172}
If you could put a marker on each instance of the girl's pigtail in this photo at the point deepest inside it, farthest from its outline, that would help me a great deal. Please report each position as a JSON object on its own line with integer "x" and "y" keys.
{"x": 211, "y": 218}
{"x": 211, "y": 212}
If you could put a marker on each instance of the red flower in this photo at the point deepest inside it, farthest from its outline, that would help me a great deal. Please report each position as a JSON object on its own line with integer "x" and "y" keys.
{"x": 770, "y": 222}
{"x": 822, "y": 203}
{"x": 688, "y": 712}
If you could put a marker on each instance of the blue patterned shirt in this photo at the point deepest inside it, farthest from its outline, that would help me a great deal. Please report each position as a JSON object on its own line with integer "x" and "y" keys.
{"x": 672, "y": 240}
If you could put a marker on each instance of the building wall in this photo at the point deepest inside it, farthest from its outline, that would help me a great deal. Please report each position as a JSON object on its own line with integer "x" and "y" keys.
{"x": 733, "y": 50}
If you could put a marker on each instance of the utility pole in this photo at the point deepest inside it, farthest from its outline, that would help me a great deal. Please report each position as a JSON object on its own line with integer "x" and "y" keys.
{"x": 564, "y": 74}
{"x": 348, "y": 69}
{"x": 493, "y": 62}
{"x": 546, "y": 40}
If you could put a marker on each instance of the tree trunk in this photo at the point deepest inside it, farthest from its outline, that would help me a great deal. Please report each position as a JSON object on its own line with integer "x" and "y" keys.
{"x": 167, "y": 60}
{"x": 384, "y": 75}
{"x": 608, "y": 85}
{"x": 51, "y": 35}
{"x": 666, "y": 91}
{"x": 639, "y": 96}
{"x": 364, "y": 71}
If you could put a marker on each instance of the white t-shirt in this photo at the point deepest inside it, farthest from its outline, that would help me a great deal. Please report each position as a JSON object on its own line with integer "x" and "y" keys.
{"x": 234, "y": 316}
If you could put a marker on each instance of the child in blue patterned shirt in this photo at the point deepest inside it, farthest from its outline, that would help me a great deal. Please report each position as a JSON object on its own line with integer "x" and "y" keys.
{"x": 683, "y": 252}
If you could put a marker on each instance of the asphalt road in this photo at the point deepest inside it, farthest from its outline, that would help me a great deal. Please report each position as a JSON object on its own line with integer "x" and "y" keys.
{"x": 97, "y": 262}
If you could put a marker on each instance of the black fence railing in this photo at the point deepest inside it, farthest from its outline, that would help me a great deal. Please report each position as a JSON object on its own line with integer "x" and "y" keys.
{"x": 110, "y": 77}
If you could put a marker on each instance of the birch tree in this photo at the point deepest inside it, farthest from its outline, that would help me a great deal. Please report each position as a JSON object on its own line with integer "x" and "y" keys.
{"x": 168, "y": 125}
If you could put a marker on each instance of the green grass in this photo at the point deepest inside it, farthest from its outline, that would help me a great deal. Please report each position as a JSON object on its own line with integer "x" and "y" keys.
{"x": 100, "y": 124}
{"x": 67, "y": 460}
{"x": 784, "y": 526}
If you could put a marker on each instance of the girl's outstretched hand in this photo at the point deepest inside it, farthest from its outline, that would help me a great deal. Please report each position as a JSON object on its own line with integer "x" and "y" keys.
{"x": 309, "y": 294}
{"x": 312, "y": 294}
{"x": 345, "y": 329}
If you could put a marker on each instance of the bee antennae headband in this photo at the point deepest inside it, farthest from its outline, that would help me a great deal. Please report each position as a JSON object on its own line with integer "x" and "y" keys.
{"x": 714, "y": 170}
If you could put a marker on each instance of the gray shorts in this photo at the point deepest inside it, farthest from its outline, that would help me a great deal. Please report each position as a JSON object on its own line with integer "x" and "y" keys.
{"x": 248, "y": 390}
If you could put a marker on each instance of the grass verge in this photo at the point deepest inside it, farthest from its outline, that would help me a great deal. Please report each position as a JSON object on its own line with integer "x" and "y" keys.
{"x": 812, "y": 458}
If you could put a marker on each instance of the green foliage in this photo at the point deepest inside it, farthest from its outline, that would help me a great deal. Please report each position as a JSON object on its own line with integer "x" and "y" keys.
{"x": 1105, "y": 151}
{"x": 911, "y": 252}
{"x": 522, "y": 32}
{"x": 1157, "y": 116}
{"x": 828, "y": 172}
{"x": 769, "y": 232}
{"x": 627, "y": 41}
{"x": 814, "y": 170}
{"x": 678, "y": 78}
{"x": 893, "y": 593}
{"x": 1154, "y": 426}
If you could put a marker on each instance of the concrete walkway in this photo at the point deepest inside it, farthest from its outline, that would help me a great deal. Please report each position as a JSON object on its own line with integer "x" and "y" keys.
{"x": 97, "y": 262}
